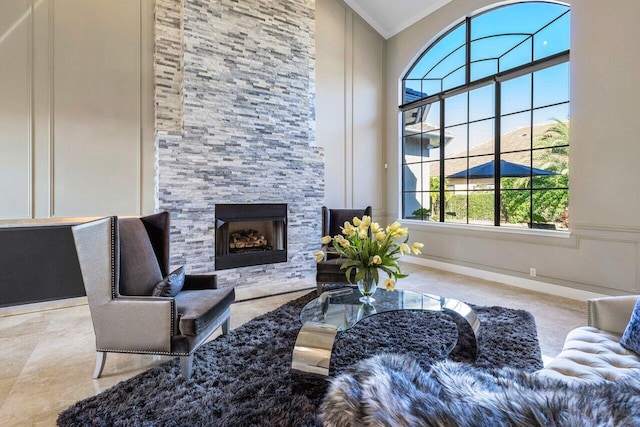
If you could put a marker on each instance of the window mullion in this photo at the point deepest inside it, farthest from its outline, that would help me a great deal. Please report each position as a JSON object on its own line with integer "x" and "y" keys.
{"x": 467, "y": 77}
{"x": 442, "y": 162}
{"x": 496, "y": 160}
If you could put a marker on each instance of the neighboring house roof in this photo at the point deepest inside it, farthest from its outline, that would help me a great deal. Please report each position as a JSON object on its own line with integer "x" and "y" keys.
{"x": 518, "y": 140}
{"x": 411, "y": 95}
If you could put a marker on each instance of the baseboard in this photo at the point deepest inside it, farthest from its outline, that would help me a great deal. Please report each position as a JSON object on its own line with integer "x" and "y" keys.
{"x": 42, "y": 306}
{"x": 253, "y": 291}
{"x": 518, "y": 282}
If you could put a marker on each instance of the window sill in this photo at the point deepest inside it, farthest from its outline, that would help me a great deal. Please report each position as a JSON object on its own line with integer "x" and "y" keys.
{"x": 533, "y": 236}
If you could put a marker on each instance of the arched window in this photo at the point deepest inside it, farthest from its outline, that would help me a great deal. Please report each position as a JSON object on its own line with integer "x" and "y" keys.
{"x": 485, "y": 114}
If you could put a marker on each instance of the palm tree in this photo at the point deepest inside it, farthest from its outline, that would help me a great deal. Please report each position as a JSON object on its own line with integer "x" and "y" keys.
{"x": 551, "y": 152}
{"x": 557, "y": 137}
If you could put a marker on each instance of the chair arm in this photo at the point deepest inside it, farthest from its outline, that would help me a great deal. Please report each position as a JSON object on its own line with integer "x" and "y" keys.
{"x": 193, "y": 282}
{"x": 135, "y": 323}
{"x": 611, "y": 313}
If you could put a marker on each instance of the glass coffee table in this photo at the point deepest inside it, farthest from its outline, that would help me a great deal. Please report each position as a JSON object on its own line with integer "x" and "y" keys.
{"x": 339, "y": 310}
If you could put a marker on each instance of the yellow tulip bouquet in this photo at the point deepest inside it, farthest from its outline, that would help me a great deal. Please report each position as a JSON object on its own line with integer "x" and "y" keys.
{"x": 370, "y": 248}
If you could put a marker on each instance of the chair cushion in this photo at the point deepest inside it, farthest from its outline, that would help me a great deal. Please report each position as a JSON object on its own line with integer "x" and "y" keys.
{"x": 592, "y": 354}
{"x": 139, "y": 269}
{"x": 171, "y": 285}
{"x": 631, "y": 336}
{"x": 197, "y": 309}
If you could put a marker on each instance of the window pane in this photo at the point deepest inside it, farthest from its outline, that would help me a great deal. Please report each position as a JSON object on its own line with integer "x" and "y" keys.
{"x": 431, "y": 87}
{"x": 515, "y": 132}
{"x": 482, "y": 103}
{"x": 454, "y": 79}
{"x": 481, "y": 209}
{"x": 412, "y": 120}
{"x": 455, "y": 172}
{"x": 552, "y": 168}
{"x": 481, "y": 140}
{"x": 425, "y": 119}
{"x": 516, "y": 95}
{"x": 483, "y": 68}
{"x": 456, "y": 141}
{"x": 455, "y": 208}
{"x": 412, "y": 91}
{"x": 470, "y": 173}
{"x": 410, "y": 202}
{"x": 426, "y": 210}
{"x": 494, "y": 46}
{"x": 415, "y": 151}
{"x": 412, "y": 149}
{"x": 551, "y": 85}
{"x": 526, "y": 17}
{"x": 550, "y": 207}
{"x": 515, "y": 208}
{"x": 515, "y": 170}
{"x": 455, "y": 110}
{"x": 551, "y": 126}
{"x": 431, "y": 170}
{"x": 412, "y": 179}
{"x": 450, "y": 63}
{"x": 553, "y": 39}
{"x": 438, "y": 51}
{"x": 551, "y": 133}
{"x": 520, "y": 55}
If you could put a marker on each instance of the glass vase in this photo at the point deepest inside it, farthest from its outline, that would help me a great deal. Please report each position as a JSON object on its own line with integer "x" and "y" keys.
{"x": 367, "y": 287}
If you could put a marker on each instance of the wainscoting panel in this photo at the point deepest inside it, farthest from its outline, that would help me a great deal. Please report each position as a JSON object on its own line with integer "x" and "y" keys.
{"x": 15, "y": 109}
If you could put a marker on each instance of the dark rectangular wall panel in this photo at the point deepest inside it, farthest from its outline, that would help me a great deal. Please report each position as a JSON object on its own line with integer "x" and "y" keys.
{"x": 38, "y": 264}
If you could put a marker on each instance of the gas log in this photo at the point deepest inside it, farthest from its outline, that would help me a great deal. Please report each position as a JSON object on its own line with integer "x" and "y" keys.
{"x": 247, "y": 239}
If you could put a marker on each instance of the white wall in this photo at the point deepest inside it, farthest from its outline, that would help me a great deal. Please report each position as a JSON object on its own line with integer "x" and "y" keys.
{"x": 350, "y": 107}
{"x": 76, "y": 108}
{"x": 601, "y": 254}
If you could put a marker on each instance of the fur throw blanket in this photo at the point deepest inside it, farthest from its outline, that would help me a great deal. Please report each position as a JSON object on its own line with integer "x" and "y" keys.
{"x": 392, "y": 390}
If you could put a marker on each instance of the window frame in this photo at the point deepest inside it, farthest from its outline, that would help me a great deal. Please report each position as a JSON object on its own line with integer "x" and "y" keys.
{"x": 496, "y": 79}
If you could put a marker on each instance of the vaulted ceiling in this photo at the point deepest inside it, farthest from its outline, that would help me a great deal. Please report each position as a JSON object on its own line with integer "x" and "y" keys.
{"x": 390, "y": 17}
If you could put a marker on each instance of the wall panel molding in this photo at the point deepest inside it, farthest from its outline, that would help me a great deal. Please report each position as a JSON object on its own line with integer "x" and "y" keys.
{"x": 16, "y": 109}
{"x": 77, "y": 100}
{"x": 350, "y": 117}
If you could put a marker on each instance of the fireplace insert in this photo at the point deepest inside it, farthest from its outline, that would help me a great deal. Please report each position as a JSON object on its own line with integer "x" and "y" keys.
{"x": 250, "y": 234}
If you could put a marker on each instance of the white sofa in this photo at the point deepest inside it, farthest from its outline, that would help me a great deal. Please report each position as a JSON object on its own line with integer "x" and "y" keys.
{"x": 594, "y": 352}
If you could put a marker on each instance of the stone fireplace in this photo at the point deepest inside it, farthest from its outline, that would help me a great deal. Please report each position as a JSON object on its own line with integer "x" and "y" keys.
{"x": 250, "y": 234}
{"x": 235, "y": 125}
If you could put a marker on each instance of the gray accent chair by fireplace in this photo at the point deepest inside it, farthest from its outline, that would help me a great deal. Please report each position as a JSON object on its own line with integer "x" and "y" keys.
{"x": 328, "y": 271}
{"x": 124, "y": 262}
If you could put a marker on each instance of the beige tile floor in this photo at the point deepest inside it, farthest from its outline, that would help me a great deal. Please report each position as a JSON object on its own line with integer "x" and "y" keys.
{"x": 47, "y": 352}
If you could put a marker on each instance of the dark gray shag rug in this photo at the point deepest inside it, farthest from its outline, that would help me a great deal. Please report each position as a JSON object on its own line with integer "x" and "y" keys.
{"x": 243, "y": 379}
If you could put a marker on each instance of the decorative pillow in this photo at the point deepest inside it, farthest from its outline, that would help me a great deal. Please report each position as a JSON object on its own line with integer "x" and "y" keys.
{"x": 631, "y": 337}
{"x": 171, "y": 285}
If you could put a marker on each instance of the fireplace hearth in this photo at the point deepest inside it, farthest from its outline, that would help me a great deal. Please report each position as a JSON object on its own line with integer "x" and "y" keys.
{"x": 250, "y": 234}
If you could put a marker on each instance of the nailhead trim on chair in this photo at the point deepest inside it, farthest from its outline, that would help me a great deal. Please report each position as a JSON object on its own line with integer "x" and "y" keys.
{"x": 113, "y": 256}
{"x": 172, "y": 329}
{"x": 162, "y": 353}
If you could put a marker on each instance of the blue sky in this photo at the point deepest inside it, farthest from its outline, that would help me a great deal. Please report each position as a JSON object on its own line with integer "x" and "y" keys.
{"x": 517, "y": 35}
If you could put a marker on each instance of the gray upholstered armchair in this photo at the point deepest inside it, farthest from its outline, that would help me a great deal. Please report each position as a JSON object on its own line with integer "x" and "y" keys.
{"x": 328, "y": 271}
{"x": 124, "y": 264}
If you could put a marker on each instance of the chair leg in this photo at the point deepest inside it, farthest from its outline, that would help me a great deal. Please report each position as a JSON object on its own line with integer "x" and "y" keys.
{"x": 319, "y": 287}
{"x": 101, "y": 357}
{"x": 226, "y": 326}
{"x": 186, "y": 366}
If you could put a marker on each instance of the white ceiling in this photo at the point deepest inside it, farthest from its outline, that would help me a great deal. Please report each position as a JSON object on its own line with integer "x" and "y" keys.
{"x": 389, "y": 17}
